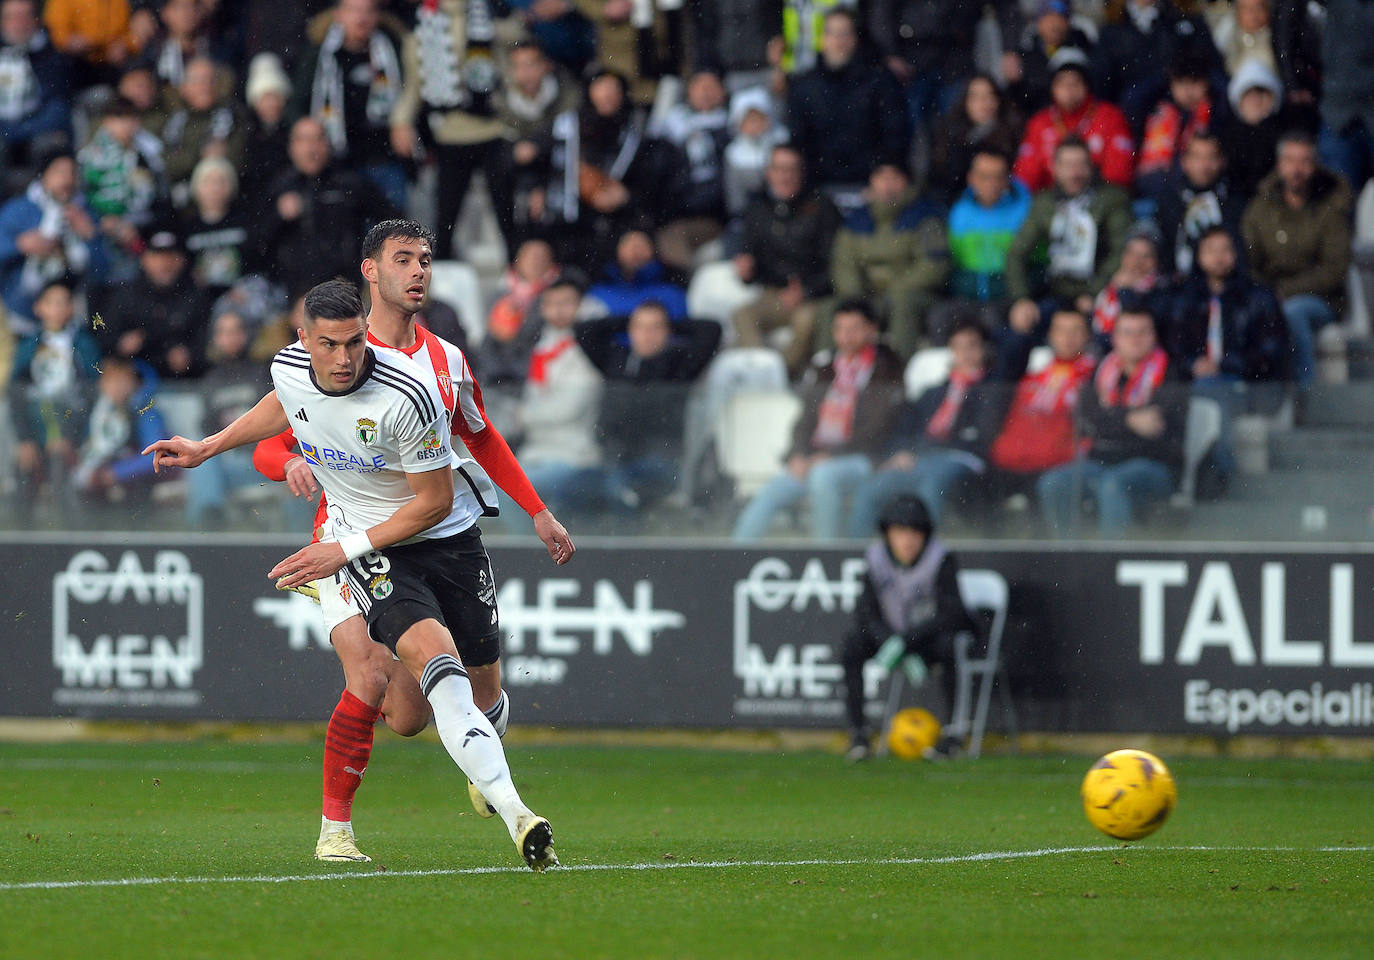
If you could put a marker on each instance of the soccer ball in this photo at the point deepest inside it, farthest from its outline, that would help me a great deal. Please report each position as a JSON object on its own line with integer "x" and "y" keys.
{"x": 1128, "y": 794}
{"x": 914, "y": 731}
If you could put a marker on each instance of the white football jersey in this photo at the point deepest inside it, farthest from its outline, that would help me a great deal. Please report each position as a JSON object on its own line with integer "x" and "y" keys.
{"x": 362, "y": 442}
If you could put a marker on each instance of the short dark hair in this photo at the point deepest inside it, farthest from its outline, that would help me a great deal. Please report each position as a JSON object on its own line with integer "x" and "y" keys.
{"x": 985, "y": 149}
{"x": 1073, "y": 142}
{"x": 966, "y": 321}
{"x": 394, "y": 230}
{"x": 1208, "y": 135}
{"x": 1073, "y": 312}
{"x": 119, "y": 107}
{"x": 336, "y": 299}
{"x": 1189, "y": 65}
{"x": 1219, "y": 228}
{"x": 862, "y": 307}
{"x": 66, "y": 282}
{"x": 528, "y": 46}
{"x": 1133, "y": 301}
{"x": 1295, "y": 135}
{"x": 653, "y": 303}
{"x": 568, "y": 280}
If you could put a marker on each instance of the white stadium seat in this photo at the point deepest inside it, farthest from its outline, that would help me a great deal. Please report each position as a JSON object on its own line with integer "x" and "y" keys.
{"x": 755, "y": 433}
{"x": 458, "y": 285}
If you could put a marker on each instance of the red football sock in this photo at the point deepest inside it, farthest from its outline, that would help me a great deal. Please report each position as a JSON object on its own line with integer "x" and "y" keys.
{"x": 347, "y": 746}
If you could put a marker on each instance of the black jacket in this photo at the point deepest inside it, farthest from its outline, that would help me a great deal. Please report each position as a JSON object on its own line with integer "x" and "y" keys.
{"x": 733, "y": 35}
{"x": 1185, "y": 211}
{"x": 1130, "y": 66}
{"x": 790, "y": 238}
{"x": 1114, "y": 442}
{"x": 937, "y": 35}
{"x": 173, "y": 316}
{"x": 339, "y": 207}
{"x": 976, "y": 425}
{"x": 642, "y": 410}
{"x": 1254, "y": 334}
{"x": 844, "y": 121}
{"x": 1032, "y": 91}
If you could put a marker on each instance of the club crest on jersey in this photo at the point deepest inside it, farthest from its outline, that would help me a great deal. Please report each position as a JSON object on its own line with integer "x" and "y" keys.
{"x": 445, "y": 381}
{"x": 345, "y": 594}
{"x": 431, "y": 440}
{"x": 380, "y": 587}
{"x": 367, "y": 431}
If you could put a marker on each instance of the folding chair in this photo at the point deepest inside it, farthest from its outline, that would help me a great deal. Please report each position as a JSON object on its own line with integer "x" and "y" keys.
{"x": 983, "y": 592}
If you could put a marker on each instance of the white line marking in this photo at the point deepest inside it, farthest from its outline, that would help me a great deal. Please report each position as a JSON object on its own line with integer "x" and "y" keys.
{"x": 255, "y": 766}
{"x": 992, "y": 855}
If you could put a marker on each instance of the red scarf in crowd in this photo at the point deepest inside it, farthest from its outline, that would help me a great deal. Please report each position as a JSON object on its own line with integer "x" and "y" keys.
{"x": 1107, "y": 306}
{"x": 1167, "y": 133}
{"x": 835, "y": 416}
{"x": 1140, "y": 385}
{"x": 1038, "y": 433}
{"x": 540, "y": 360}
{"x": 942, "y": 421}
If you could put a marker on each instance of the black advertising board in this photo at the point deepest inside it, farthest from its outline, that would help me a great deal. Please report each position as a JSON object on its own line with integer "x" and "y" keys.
{"x": 1177, "y": 639}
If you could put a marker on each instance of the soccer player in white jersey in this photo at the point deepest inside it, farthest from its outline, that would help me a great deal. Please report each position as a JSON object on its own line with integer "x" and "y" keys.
{"x": 379, "y": 436}
{"x": 396, "y": 266}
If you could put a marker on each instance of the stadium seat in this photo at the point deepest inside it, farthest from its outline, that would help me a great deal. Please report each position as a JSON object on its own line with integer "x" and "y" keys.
{"x": 927, "y": 368}
{"x": 740, "y": 368}
{"x": 457, "y": 284}
{"x": 1202, "y": 431}
{"x": 1361, "y": 277}
{"x": 754, "y": 435}
{"x": 984, "y": 593}
{"x": 716, "y": 292}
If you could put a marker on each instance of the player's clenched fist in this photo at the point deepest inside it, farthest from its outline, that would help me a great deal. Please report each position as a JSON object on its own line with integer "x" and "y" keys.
{"x": 311, "y": 563}
{"x": 177, "y": 452}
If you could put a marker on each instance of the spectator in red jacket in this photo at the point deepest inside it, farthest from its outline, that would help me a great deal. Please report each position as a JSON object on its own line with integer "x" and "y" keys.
{"x": 1038, "y": 432}
{"x": 1074, "y": 111}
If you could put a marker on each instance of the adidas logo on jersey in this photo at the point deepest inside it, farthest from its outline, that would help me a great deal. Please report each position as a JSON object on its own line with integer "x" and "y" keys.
{"x": 300, "y": 415}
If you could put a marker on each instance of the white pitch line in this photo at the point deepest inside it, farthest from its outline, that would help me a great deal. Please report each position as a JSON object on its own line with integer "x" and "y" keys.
{"x": 992, "y": 855}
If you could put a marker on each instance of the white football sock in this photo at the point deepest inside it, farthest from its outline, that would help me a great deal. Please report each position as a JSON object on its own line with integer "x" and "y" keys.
{"x": 469, "y": 737}
{"x": 499, "y": 714}
{"x": 329, "y": 825}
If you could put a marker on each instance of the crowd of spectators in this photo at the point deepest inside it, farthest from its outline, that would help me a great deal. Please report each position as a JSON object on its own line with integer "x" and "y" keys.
{"x": 1161, "y": 191}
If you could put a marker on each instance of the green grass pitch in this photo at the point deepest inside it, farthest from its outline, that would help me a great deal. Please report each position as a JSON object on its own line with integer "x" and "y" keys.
{"x": 672, "y": 853}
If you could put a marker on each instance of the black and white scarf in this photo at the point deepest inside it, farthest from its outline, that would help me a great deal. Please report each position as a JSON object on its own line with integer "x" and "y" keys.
{"x": 19, "y": 91}
{"x": 457, "y": 69}
{"x": 327, "y": 90}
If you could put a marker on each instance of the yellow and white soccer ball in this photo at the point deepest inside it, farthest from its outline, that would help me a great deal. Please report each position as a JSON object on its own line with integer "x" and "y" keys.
{"x": 914, "y": 731}
{"x": 1128, "y": 794}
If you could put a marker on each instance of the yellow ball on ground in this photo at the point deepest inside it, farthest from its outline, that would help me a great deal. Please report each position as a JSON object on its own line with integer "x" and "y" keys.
{"x": 914, "y": 731}
{"x": 1128, "y": 794}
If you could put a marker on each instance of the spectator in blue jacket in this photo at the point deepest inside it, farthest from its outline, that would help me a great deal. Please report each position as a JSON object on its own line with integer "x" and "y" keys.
{"x": 636, "y": 276}
{"x": 982, "y": 226}
{"x": 53, "y": 371}
{"x": 123, "y": 422}
{"x": 34, "y": 81}
{"x": 46, "y": 233}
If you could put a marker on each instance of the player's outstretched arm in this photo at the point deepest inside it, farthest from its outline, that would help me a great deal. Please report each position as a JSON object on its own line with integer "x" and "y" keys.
{"x": 266, "y": 419}
{"x": 432, "y": 502}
